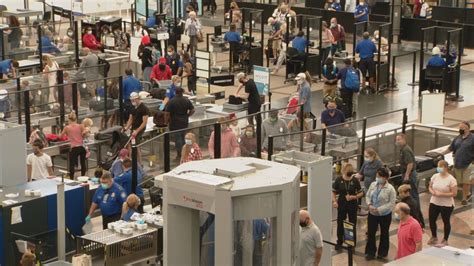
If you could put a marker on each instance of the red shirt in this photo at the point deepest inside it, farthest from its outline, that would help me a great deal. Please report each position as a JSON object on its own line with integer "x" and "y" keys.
{"x": 409, "y": 233}
{"x": 89, "y": 41}
{"x": 161, "y": 75}
{"x": 417, "y": 8}
{"x": 338, "y": 33}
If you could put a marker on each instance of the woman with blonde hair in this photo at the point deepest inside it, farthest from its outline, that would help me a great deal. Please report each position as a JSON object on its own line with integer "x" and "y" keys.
{"x": 191, "y": 150}
{"x": 130, "y": 207}
{"x": 75, "y": 134}
{"x": 50, "y": 71}
{"x": 368, "y": 170}
{"x": 346, "y": 191}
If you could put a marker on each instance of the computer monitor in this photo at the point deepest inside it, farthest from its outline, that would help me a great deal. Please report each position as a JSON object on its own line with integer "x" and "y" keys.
{"x": 217, "y": 30}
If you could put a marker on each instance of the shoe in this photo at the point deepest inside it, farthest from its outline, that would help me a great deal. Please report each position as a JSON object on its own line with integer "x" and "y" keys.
{"x": 444, "y": 243}
{"x": 338, "y": 247}
{"x": 369, "y": 257}
{"x": 464, "y": 202}
{"x": 433, "y": 241}
{"x": 381, "y": 257}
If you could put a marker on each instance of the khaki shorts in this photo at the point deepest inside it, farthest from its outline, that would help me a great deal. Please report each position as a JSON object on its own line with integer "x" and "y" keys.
{"x": 276, "y": 44}
{"x": 463, "y": 175}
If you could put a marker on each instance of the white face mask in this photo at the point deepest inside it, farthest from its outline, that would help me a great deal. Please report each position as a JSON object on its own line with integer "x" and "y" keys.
{"x": 89, "y": 32}
{"x": 300, "y": 81}
{"x": 170, "y": 54}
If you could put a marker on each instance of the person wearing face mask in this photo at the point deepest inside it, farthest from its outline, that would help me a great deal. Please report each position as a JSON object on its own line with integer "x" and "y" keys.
{"x": 311, "y": 241}
{"x": 408, "y": 166}
{"x": 443, "y": 188}
{"x": 145, "y": 53}
{"x": 347, "y": 94}
{"x": 130, "y": 84}
{"x": 248, "y": 142}
{"x": 161, "y": 71}
{"x": 381, "y": 197}
{"x": 339, "y": 35}
{"x": 463, "y": 149}
{"x": 171, "y": 90}
{"x": 304, "y": 90}
{"x": 369, "y": 168}
{"x": 109, "y": 198}
{"x": 90, "y": 41}
{"x": 116, "y": 168}
{"x": 410, "y": 234}
{"x": 172, "y": 60}
{"x": 137, "y": 121}
{"x": 332, "y": 116}
{"x": 38, "y": 164}
{"x": 251, "y": 95}
{"x": 180, "y": 109}
{"x": 229, "y": 144}
{"x": 125, "y": 181}
{"x": 346, "y": 191}
{"x": 335, "y": 6}
{"x": 405, "y": 197}
{"x": 139, "y": 31}
{"x": 121, "y": 40}
{"x": 191, "y": 150}
{"x": 273, "y": 126}
{"x": 361, "y": 13}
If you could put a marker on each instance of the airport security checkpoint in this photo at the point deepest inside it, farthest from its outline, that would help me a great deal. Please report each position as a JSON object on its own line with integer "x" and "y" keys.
{"x": 223, "y": 132}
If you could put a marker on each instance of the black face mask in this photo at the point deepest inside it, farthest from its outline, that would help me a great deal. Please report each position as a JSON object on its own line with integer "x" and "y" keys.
{"x": 304, "y": 224}
{"x": 461, "y": 131}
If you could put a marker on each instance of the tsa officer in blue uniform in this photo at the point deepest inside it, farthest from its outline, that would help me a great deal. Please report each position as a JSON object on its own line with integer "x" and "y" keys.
{"x": 125, "y": 181}
{"x": 361, "y": 13}
{"x": 109, "y": 197}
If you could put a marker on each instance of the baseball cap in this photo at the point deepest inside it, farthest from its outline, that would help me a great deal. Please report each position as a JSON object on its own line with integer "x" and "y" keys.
{"x": 123, "y": 153}
{"x": 162, "y": 60}
{"x": 134, "y": 96}
{"x": 3, "y": 94}
{"x": 300, "y": 76}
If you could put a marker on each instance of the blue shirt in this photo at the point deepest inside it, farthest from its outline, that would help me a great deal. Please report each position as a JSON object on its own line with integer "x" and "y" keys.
{"x": 232, "y": 36}
{"x": 463, "y": 150}
{"x": 47, "y": 46}
{"x": 171, "y": 91}
{"x": 300, "y": 43}
{"x": 110, "y": 200}
{"x": 362, "y": 9}
{"x": 130, "y": 84}
{"x": 342, "y": 76}
{"x": 5, "y": 66}
{"x": 125, "y": 180}
{"x": 336, "y": 6}
{"x": 329, "y": 120}
{"x": 128, "y": 215}
{"x": 260, "y": 228}
{"x": 305, "y": 93}
{"x": 366, "y": 49}
{"x": 436, "y": 61}
{"x": 151, "y": 22}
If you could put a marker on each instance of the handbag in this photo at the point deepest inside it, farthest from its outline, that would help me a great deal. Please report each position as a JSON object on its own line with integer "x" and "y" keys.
{"x": 82, "y": 260}
{"x": 200, "y": 36}
{"x": 185, "y": 39}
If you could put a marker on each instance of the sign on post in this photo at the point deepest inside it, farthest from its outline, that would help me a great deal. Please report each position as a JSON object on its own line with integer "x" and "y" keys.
{"x": 349, "y": 233}
{"x": 261, "y": 76}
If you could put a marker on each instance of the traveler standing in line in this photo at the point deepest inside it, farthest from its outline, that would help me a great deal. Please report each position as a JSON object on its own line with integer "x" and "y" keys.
{"x": 145, "y": 53}
{"x": 130, "y": 85}
{"x": 192, "y": 28}
{"x": 180, "y": 109}
{"x": 350, "y": 83}
{"x": 38, "y": 164}
{"x": 191, "y": 150}
{"x": 410, "y": 234}
{"x": 311, "y": 241}
{"x": 361, "y": 13}
{"x": 443, "y": 188}
{"x": 346, "y": 191}
{"x": 327, "y": 41}
{"x": 189, "y": 73}
{"x": 339, "y": 35}
{"x": 463, "y": 149}
{"x": 51, "y": 73}
{"x": 90, "y": 41}
{"x": 248, "y": 142}
{"x": 381, "y": 198}
{"x": 251, "y": 95}
{"x": 75, "y": 134}
{"x": 408, "y": 166}
{"x": 366, "y": 50}
{"x": 368, "y": 170}
{"x": 229, "y": 145}
{"x": 14, "y": 32}
{"x": 405, "y": 197}
{"x": 91, "y": 73}
{"x": 304, "y": 91}
{"x": 137, "y": 121}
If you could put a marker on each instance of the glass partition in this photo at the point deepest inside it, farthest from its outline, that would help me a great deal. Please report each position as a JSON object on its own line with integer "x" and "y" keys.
{"x": 19, "y": 42}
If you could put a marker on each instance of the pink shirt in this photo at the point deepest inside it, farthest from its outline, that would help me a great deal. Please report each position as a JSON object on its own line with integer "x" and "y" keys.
{"x": 442, "y": 184}
{"x": 409, "y": 233}
{"x": 229, "y": 145}
{"x": 74, "y": 134}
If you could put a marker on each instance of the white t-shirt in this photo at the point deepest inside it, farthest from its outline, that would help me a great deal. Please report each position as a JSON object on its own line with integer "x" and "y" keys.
{"x": 39, "y": 165}
{"x": 443, "y": 184}
{"x": 424, "y": 10}
{"x": 310, "y": 239}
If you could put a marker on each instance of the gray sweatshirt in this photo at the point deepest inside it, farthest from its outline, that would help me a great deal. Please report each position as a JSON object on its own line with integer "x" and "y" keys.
{"x": 272, "y": 129}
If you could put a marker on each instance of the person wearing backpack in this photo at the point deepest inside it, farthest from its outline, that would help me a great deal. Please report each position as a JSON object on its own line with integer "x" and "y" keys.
{"x": 145, "y": 53}
{"x": 350, "y": 84}
{"x": 330, "y": 72}
{"x": 365, "y": 50}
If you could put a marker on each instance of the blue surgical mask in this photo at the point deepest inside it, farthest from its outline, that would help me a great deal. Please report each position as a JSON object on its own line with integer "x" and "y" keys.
{"x": 380, "y": 180}
{"x": 439, "y": 169}
{"x": 104, "y": 186}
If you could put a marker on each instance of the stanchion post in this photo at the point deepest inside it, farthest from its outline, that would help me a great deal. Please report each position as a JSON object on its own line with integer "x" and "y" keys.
{"x": 323, "y": 142}
{"x": 2, "y": 47}
{"x": 301, "y": 114}
{"x": 75, "y": 100}
{"x": 105, "y": 98}
{"x": 217, "y": 141}
{"x": 40, "y": 47}
{"x": 134, "y": 166}
{"x": 60, "y": 86}
{"x": 26, "y": 96}
{"x": 393, "y": 71}
{"x": 166, "y": 150}
{"x": 405, "y": 120}
{"x": 414, "y": 68}
{"x": 350, "y": 255}
{"x": 258, "y": 118}
{"x": 120, "y": 98}
{"x": 270, "y": 148}
{"x": 362, "y": 146}
{"x": 18, "y": 99}
{"x": 76, "y": 43}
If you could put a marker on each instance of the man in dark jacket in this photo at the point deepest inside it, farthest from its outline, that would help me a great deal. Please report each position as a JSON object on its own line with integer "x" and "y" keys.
{"x": 404, "y": 193}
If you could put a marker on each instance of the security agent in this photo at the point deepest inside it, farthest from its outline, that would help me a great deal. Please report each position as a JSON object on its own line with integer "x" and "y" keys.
{"x": 366, "y": 50}
{"x": 436, "y": 61}
{"x": 300, "y": 43}
{"x": 125, "y": 181}
{"x": 109, "y": 197}
{"x": 232, "y": 35}
{"x": 361, "y": 13}
{"x": 8, "y": 66}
